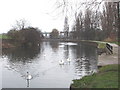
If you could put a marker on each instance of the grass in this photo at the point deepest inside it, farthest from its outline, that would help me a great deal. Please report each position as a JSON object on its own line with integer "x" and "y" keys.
{"x": 107, "y": 77}
{"x": 101, "y": 45}
{"x": 4, "y": 37}
{"x": 118, "y": 43}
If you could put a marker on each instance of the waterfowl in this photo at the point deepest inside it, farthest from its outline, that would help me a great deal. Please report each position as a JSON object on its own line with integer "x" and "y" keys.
{"x": 44, "y": 55}
{"x": 78, "y": 60}
{"x": 83, "y": 65}
{"x": 83, "y": 58}
{"x": 93, "y": 71}
{"x": 28, "y": 77}
{"x": 68, "y": 59}
{"x": 61, "y": 62}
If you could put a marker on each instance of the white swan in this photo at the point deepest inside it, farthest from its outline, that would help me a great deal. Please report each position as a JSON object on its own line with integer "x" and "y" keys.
{"x": 83, "y": 58}
{"x": 68, "y": 59}
{"x": 29, "y": 77}
{"x": 61, "y": 62}
{"x": 44, "y": 55}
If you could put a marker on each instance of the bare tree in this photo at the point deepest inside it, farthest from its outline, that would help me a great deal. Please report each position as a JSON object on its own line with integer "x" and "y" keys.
{"x": 109, "y": 19}
{"x": 72, "y": 8}
{"x": 66, "y": 27}
{"x": 100, "y": 18}
{"x": 21, "y": 24}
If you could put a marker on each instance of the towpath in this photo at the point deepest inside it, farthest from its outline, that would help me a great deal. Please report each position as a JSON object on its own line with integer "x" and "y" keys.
{"x": 109, "y": 59}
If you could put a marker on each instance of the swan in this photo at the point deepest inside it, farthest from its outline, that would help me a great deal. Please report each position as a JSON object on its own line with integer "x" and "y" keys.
{"x": 61, "y": 62}
{"x": 29, "y": 77}
{"x": 44, "y": 55}
{"x": 83, "y": 65}
{"x": 94, "y": 71}
{"x": 83, "y": 58}
{"x": 68, "y": 59}
{"x": 78, "y": 59}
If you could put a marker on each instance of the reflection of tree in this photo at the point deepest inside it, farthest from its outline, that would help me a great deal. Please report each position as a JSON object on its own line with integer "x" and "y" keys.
{"x": 85, "y": 50}
{"x": 21, "y": 54}
{"x": 21, "y": 60}
{"x": 66, "y": 53}
{"x": 88, "y": 51}
{"x": 54, "y": 45}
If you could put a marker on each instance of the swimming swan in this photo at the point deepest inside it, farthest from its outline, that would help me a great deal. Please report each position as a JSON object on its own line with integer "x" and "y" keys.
{"x": 68, "y": 59}
{"x": 61, "y": 62}
{"x": 83, "y": 58}
{"x": 29, "y": 77}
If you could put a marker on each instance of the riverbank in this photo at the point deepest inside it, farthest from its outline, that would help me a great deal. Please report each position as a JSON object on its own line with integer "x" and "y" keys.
{"x": 107, "y": 77}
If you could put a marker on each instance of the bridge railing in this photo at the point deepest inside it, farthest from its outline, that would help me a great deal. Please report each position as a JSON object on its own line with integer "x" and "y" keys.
{"x": 109, "y": 49}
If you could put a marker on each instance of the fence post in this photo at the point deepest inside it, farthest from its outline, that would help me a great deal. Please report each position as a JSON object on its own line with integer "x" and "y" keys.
{"x": 109, "y": 49}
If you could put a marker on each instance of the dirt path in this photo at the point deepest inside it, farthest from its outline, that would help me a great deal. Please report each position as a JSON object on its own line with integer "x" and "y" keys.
{"x": 109, "y": 59}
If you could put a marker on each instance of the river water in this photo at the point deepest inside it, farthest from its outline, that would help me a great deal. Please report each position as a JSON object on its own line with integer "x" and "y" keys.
{"x": 42, "y": 63}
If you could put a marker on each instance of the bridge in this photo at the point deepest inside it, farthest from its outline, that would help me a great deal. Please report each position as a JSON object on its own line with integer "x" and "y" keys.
{"x": 61, "y": 34}
{"x": 46, "y": 34}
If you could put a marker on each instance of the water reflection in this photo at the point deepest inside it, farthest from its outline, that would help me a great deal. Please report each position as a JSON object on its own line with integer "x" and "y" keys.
{"x": 43, "y": 63}
{"x": 54, "y": 45}
{"x": 90, "y": 64}
{"x": 21, "y": 59}
{"x": 21, "y": 54}
{"x": 66, "y": 53}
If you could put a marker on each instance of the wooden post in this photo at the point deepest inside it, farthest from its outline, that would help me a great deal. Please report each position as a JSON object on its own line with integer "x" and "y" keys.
{"x": 109, "y": 49}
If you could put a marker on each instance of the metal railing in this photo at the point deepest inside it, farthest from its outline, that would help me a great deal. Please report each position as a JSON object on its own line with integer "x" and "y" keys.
{"x": 109, "y": 49}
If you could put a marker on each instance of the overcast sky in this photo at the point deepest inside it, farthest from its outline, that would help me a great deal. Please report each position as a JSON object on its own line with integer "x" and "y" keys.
{"x": 37, "y": 12}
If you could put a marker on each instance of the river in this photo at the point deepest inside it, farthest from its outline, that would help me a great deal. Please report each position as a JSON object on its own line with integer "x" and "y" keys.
{"x": 42, "y": 63}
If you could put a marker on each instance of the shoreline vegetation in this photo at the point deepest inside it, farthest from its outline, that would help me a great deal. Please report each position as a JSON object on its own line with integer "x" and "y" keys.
{"x": 21, "y": 38}
{"x": 6, "y": 42}
{"x": 107, "y": 77}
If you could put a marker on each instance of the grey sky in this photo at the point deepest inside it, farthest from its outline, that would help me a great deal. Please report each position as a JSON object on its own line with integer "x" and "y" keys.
{"x": 39, "y": 13}
{"x": 34, "y": 11}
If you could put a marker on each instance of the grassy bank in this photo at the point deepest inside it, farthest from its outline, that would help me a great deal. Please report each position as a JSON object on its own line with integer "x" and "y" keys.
{"x": 4, "y": 37}
{"x": 107, "y": 77}
{"x": 102, "y": 44}
{"x": 118, "y": 43}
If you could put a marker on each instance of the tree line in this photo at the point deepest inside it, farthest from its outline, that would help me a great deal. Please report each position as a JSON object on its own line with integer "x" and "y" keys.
{"x": 23, "y": 35}
{"x": 93, "y": 24}
{"x": 99, "y": 25}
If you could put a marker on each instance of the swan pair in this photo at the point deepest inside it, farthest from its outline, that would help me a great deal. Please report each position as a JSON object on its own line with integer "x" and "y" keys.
{"x": 61, "y": 62}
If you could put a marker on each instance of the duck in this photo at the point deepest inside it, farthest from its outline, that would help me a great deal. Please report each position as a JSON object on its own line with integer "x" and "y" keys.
{"x": 29, "y": 77}
{"x": 61, "y": 62}
{"x": 68, "y": 59}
